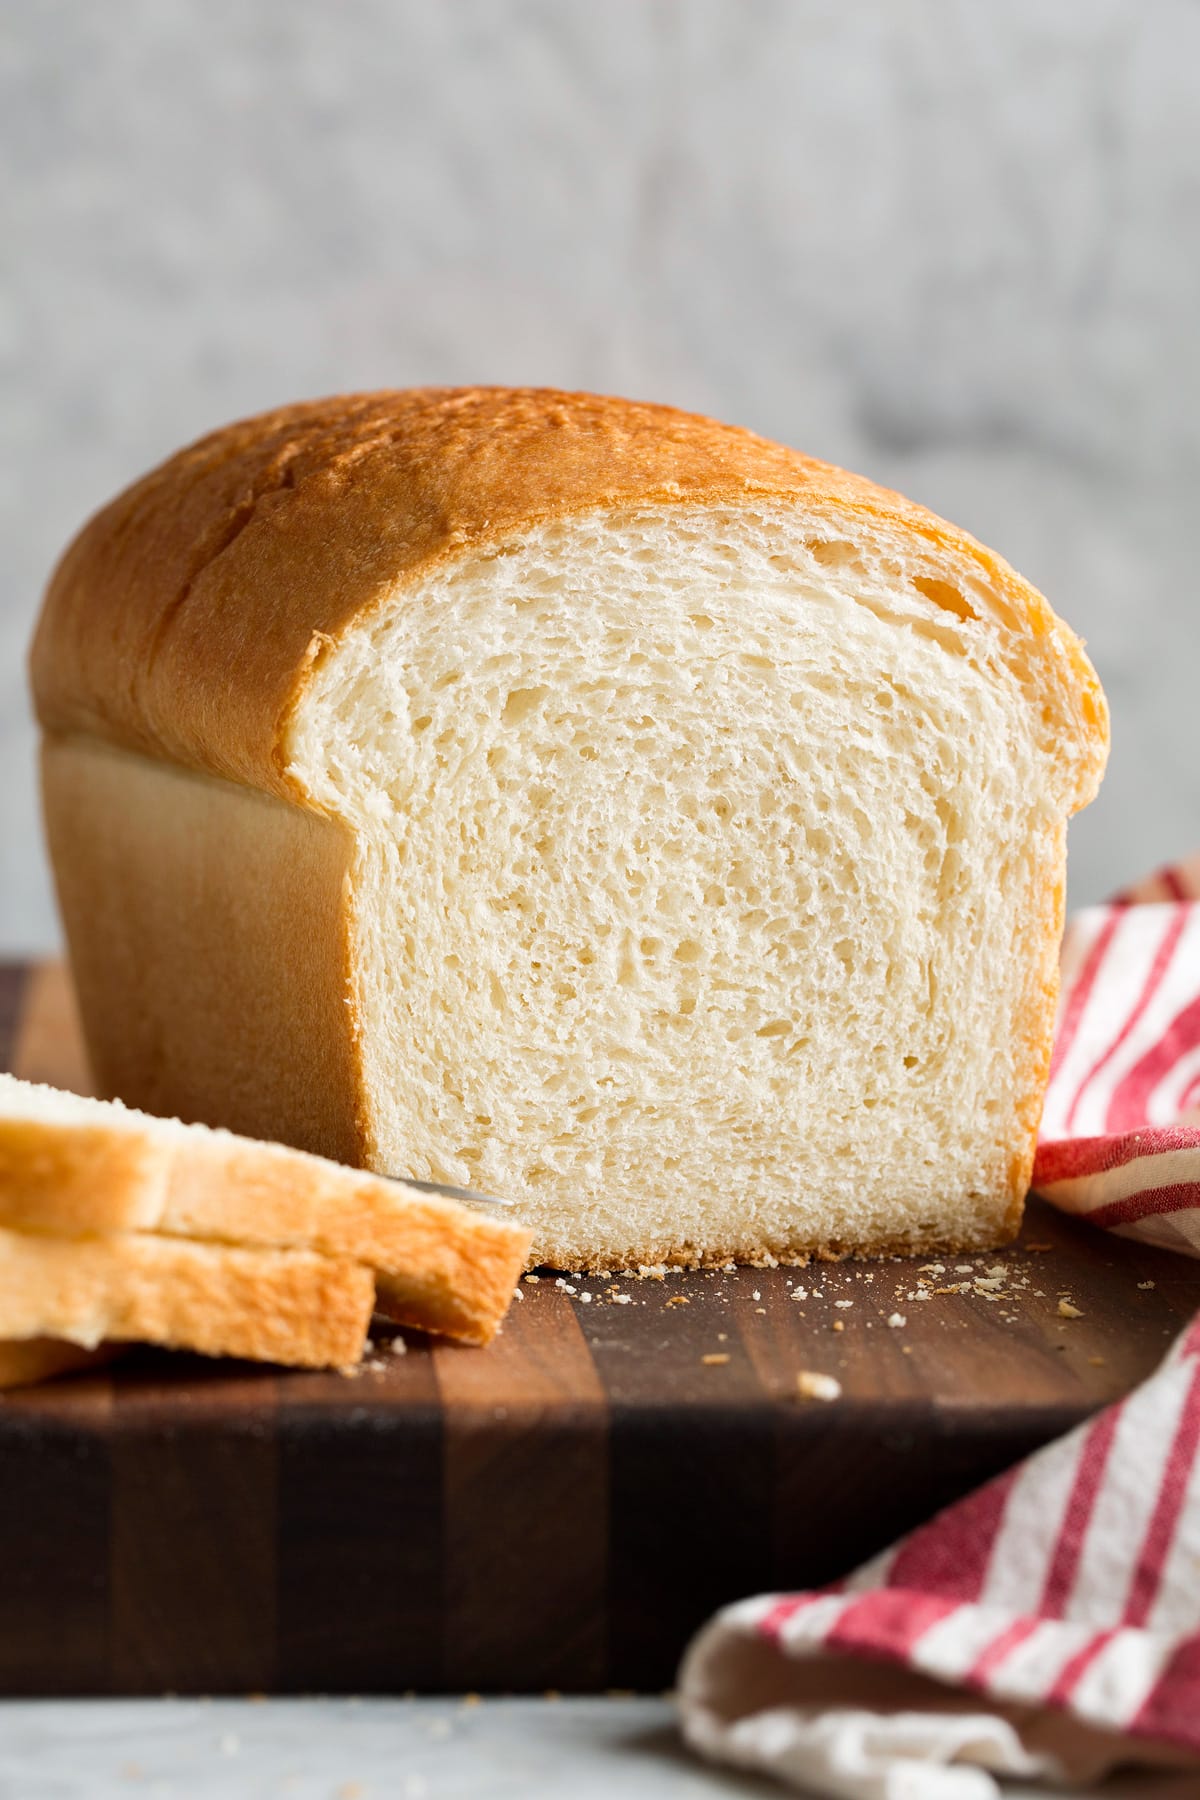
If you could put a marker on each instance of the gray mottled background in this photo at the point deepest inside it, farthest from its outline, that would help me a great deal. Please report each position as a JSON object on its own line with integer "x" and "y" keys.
{"x": 951, "y": 243}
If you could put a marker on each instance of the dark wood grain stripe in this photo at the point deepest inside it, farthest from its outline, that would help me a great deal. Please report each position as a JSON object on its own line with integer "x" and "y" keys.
{"x": 690, "y": 1510}
{"x": 360, "y": 1549}
{"x": 192, "y": 1528}
{"x": 525, "y": 1496}
{"x": 54, "y": 1562}
{"x": 14, "y": 981}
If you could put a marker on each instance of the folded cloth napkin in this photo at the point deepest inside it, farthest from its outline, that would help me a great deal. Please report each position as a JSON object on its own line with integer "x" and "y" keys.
{"x": 1049, "y": 1624}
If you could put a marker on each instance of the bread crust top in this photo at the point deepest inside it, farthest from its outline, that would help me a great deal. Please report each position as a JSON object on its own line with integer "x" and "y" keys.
{"x": 186, "y": 617}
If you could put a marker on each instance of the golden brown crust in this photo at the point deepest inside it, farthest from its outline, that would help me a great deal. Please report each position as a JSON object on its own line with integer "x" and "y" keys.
{"x": 209, "y": 946}
{"x": 185, "y": 618}
{"x": 87, "y": 1179}
{"x": 439, "y": 1266}
{"x": 993, "y": 1234}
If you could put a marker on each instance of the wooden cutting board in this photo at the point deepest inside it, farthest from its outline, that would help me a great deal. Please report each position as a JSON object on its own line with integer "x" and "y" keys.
{"x": 558, "y": 1511}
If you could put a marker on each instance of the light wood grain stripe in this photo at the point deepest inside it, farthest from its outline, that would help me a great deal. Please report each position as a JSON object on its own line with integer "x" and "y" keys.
{"x": 48, "y": 1045}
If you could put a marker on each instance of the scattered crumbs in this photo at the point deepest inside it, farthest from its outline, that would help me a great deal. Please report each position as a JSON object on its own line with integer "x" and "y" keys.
{"x": 1097, "y": 1362}
{"x": 799, "y": 1293}
{"x": 906, "y": 1349}
{"x": 565, "y": 1286}
{"x": 621, "y": 1300}
{"x": 932, "y": 1268}
{"x": 756, "y": 1295}
{"x": 921, "y": 1294}
{"x": 963, "y": 1268}
{"x": 722, "y": 1337}
{"x": 679, "y": 1300}
{"x": 761, "y": 1309}
{"x": 897, "y": 1321}
{"x": 229, "y": 1744}
{"x": 398, "y": 1346}
{"x": 1039, "y": 1293}
{"x": 818, "y": 1293}
{"x": 715, "y": 1358}
{"x": 1067, "y": 1311}
{"x": 843, "y": 1304}
{"x": 839, "y": 1324}
{"x": 368, "y": 1346}
{"x": 998, "y": 1269}
{"x": 811, "y": 1385}
{"x": 1039, "y": 1249}
{"x": 517, "y": 1294}
{"x": 533, "y": 1280}
{"x": 586, "y": 1298}
{"x": 987, "y": 1284}
{"x": 869, "y": 1276}
{"x": 1145, "y": 1284}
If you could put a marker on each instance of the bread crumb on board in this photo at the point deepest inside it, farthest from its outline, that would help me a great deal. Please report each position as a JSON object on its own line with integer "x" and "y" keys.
{"x": 812, "y": 1385}
{"x": 715, "y": 1358}
{"x": 1067, "y": 1311}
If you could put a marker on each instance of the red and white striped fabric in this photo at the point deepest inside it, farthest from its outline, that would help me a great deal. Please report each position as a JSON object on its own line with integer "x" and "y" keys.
{"x": 1120, "y": 1140}
{"x": 1049, "y": 1624}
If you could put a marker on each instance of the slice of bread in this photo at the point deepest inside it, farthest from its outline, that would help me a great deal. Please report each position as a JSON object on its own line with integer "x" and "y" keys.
{"x": 281, "y": 1306}
{"x": 575, "y": 799}
{"x": 74, "y": 1166}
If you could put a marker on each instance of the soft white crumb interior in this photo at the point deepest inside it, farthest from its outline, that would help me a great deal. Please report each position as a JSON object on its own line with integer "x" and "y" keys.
{"x": 703, "y": 871}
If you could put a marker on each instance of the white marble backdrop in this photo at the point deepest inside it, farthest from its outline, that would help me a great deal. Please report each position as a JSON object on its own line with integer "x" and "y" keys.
{"x": 952, "y": 243}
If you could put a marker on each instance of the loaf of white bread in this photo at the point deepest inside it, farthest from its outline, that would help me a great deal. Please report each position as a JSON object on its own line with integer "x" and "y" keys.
{"x": 574, "y": 799}
{"x": 117, "y": 1227}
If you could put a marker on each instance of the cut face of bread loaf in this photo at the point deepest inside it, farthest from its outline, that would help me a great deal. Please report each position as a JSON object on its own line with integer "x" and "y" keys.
{"x": 680, "y": 823}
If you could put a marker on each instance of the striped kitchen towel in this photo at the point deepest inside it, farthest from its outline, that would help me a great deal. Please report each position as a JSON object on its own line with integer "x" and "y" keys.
{"x": 1048, "y": 1625}
{"x": 1120, "y": 1138}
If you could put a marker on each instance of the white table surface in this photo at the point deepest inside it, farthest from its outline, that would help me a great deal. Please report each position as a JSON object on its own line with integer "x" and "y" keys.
{"x": 380, "y": 1750}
